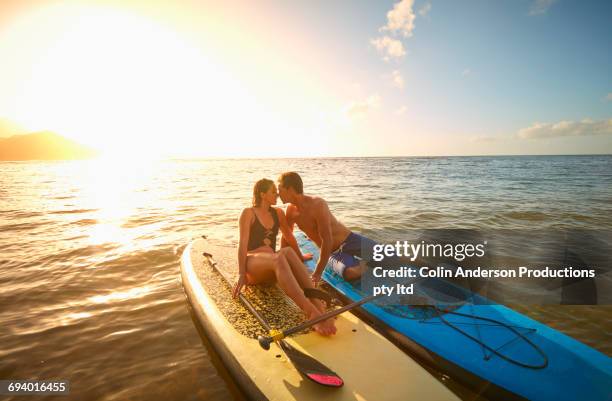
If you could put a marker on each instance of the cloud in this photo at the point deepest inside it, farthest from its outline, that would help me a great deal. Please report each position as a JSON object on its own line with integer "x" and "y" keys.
{"x": 402, "y": 110}
{"x": 540, "y": 6}
{"x": 466, "y": 72}
{"x": 361, "y": 108}
{"x": 398, "y": 79}
{"x": 392, "y": 48}
{"x": 566, "y": 128}
{"x": 401, "y": 18}
{"x": 425, "y": 9}
{"x": 609, "y": 97}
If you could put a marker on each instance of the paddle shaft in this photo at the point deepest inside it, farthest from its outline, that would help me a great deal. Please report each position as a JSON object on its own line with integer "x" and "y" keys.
{"x": 254, "y": 311}
{"x": 324, "y": 316}
{"x": 305, "y": 364}
{"x": 247, "y": 304}
{"x": 328, "y": 315}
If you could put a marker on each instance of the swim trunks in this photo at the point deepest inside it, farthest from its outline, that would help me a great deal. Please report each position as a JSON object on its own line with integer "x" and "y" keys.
{"x": 350, "y": 252}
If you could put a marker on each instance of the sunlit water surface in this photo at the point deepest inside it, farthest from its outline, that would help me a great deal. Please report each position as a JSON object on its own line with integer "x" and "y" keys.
{"x": 89, "y": 250}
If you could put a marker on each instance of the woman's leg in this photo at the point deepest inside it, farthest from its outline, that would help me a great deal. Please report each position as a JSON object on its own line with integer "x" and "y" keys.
{"x": 315, "y": 306}
{"x": 262, "y": 265}
{"x": 300, "y": 271}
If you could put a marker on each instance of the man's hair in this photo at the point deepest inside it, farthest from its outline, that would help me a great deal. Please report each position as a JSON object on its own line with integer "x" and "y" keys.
{"x": 291, "y": 179}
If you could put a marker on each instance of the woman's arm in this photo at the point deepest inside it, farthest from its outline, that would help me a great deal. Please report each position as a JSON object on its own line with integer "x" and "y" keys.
{"x": 246, "y": 219}
{"x": 288, "y": 236}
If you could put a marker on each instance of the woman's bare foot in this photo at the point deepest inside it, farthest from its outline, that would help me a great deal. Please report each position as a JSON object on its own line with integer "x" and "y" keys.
{"x": 320, "y": 305}
{"x": 326, "y": 327}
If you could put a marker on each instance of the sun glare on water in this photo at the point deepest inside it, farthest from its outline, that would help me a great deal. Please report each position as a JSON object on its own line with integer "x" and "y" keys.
{"x": 121, "y": 197}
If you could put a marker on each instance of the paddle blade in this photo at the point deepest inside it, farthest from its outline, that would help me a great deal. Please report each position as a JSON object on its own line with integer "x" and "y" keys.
{"x": 311, "y": 368}
{"x": 331, "y": 381}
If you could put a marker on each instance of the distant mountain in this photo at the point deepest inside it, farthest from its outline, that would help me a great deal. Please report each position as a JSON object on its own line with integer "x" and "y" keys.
{"x": 42, "y": 146}
{"x": 8, "y": 128}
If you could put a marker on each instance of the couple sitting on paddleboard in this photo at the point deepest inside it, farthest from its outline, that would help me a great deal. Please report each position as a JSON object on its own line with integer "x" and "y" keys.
{"x": 259, "y": 262}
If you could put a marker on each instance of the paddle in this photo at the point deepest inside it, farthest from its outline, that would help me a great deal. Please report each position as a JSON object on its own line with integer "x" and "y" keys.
{"x": 277, "y": 335}
{"x": 305, "y": 364}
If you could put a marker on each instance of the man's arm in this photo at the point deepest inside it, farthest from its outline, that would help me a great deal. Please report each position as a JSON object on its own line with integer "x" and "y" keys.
{"x": 322, "y": 218}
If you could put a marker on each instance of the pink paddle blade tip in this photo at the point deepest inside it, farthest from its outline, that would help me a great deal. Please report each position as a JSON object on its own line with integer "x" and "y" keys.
{"x": 327, "y": 380}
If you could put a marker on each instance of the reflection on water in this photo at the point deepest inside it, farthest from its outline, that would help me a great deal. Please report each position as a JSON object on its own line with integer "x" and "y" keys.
{"x": 89, "y": 250}
{"x": 120, "y": 295}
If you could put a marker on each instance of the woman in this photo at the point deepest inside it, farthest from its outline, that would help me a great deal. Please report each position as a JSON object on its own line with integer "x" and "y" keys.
{"x": 258, "y": 261}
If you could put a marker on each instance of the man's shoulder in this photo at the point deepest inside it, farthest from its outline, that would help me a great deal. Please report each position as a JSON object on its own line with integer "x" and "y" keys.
{"x": 316, "y": 202}
{"x": 314, "y": 207}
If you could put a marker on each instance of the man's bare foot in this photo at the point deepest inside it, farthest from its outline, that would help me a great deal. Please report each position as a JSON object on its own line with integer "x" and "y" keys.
{"x": 353, "y": 272}
{"x": 326, "y": 327}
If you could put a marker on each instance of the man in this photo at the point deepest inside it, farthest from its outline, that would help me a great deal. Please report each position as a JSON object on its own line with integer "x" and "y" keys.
{"x": 337, "y": 243}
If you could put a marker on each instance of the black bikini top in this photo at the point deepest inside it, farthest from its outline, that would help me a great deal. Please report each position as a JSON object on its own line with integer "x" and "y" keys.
{"x": 260, "y": 235}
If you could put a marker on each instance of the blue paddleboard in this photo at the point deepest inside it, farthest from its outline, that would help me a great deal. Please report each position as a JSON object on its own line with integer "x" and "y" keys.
{"x": 490, "y": 347}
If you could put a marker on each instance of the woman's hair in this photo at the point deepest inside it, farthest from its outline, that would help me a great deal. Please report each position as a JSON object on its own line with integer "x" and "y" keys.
{"x": 262, "y": 185}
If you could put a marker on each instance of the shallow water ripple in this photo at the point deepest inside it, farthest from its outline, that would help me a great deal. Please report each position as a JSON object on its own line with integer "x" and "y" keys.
{"x": 89, "y": 252}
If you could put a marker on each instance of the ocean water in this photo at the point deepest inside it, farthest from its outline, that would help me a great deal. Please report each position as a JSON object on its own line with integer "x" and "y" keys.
{"x": 89, "y": 250}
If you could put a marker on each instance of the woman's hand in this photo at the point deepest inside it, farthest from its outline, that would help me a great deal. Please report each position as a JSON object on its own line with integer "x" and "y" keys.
{"x": 306, "y": 256}
{"x": 238, "y": 286}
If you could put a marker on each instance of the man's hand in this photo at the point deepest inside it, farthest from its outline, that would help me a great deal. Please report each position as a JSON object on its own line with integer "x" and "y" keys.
{"x": 316, "y": 278}
{"x": 306, "y": 256}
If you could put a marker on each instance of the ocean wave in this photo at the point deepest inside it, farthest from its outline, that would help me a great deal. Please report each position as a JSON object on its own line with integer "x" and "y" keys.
{"x": 73, "y": 211}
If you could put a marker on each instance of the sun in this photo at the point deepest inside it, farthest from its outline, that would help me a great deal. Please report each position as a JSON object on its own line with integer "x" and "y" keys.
{"x": 131, "y": 83}
{"x": 122, "y": 83}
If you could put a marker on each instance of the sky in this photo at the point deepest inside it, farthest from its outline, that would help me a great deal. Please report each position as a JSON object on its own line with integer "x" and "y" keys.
{"x": 310, "y": 78}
